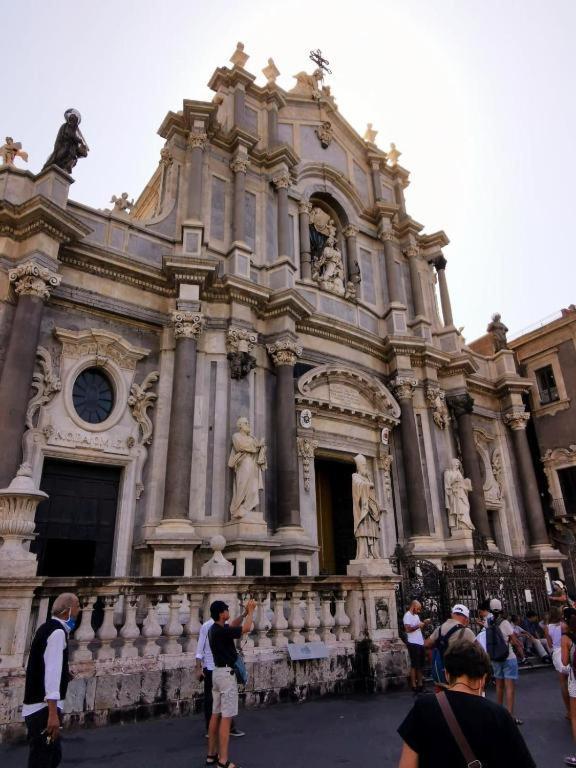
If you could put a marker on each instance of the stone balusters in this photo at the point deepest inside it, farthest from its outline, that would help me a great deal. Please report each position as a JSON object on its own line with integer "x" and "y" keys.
{"x": 192, "y": 626}
{"x": 172, "y": 630}
{"x": 327, "y": 621}
{"x": 130, "y": 631}
{"x": 304, "y": 208}
{"x": 440, "y": 265}
{"x": 107, "y": 632}
{"x": 84, "y": 635}
{"x": 296, "y": 621}
{"x": 341, "y": 618}
{"x": 279, "y": 623}
{"x": 261, "y": 622}
{"x": 311, "y": 618}
{"x": 151, "y": 629}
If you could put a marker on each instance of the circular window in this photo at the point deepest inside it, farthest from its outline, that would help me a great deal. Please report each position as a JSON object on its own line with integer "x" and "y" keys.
{"x": 93, "y": 396}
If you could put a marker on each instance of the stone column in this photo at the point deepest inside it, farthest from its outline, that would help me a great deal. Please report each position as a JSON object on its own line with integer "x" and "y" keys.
{"x": 517, "y": 420}
{"x": 417, "y": 295}
{"x": 282, "y": 182}
{"x": 304, "y": 208}
{"x": 32, "y": 285}
{"x": 391, "y": 268}
{"x": 273, "y": 140}
{"x": 440, "y": 264}
{"x": 353, "y": 270}
{"x": 239, "y": 166}
{"x": 197, "y": 141}
{"x": 284, "y": 353}
{"x": 376, "y": 180}
{"x": 416, "y": 496}
{"x": 462, "y": 407}
{"x": 187, "y": 328}
{"x": 239, "y": 105}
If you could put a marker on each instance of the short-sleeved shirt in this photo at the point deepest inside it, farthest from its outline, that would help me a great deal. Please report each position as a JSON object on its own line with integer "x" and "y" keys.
{"x": 507, "y": 631}
{"x": 426, "y": 732}
{"x": 413, "y": 620}
{"x": 463, "y": 634}
{"x": 222, "y": 644}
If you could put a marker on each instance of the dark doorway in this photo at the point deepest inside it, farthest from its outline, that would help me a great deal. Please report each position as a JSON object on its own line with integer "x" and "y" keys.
{"x": 76, "y": 524}
{"x": 334, "y": 514}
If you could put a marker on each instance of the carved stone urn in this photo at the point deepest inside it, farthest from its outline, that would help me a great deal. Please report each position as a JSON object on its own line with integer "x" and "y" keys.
{"x": 18, "y": 505}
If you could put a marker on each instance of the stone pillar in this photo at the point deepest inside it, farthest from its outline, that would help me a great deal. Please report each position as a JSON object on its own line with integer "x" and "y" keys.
{"x": 391, "y": 268}
{"x": 417, "y": 295}
{"x": 197, "y": 141}
{"x": 416, "y": 496}
{"x": 32, "y": 285}
{"x": 239, "y": 105}
{"x": 239, "y": 166}
{"x": 376, "y": 180}
{"x": 517, "y": 421}
{"x": 352, "y": 268}
{"x": 284, "y": 353}
{"x": 440, "y": 264}
{"x": 304, "y": 208}
{"x": 282, "y": 182}
{"x": 462, "y": 407}
{"x": 273, "y": 140}
{"x": 187, "y": 327}
{"x": 400, "y": 201}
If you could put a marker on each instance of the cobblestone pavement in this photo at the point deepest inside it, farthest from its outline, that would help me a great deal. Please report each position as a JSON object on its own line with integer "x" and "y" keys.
{"x": 351, "y": 731}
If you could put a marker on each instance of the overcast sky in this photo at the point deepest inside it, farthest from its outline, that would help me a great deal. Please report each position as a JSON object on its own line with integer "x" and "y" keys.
{"x": 478, "y": 96}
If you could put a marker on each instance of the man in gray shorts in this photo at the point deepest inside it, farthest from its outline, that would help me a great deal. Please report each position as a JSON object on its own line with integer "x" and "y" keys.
{"x": 224, "y": 686}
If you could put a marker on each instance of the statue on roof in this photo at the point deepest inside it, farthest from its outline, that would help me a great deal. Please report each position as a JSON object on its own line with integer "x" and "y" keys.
{"x": 271, "y": 72}
{"x": 498, "y": 331}
{"x": 239, "y": 58}
{"x": 11, "y": 150}
{"x": 392, "y": 155}
{"x": 122, "y": 204}
{"x": 69, "y": 144}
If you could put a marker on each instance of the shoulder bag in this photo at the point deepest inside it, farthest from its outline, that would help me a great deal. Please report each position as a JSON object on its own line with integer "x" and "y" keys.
{"x": 456, "y": 731}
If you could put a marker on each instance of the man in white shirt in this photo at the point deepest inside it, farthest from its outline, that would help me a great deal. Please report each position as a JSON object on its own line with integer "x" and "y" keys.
{"x": 47, "y": 677}
{"x": 204, "y": 669}
{"x": 413, "y": 628}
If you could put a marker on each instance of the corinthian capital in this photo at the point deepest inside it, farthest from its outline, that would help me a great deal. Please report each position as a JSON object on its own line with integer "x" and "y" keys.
{"x": 411, "y": 251}
{"x": 33, "y": 280}
{"x": 281, "y": 181}
{"x": 404, "y": 387}
{"x": 305, "y": 206}
{"x": 350, "y": 231}
{"x": 197, "y": 139}
{"x": 187, "y": 325}
{"x": 516, "y": 419}
{"x": 239, "y": 164}
{"x": 284, "y": 351}
{"x": 240, "y": 339}
{"x": 386, "y": 234}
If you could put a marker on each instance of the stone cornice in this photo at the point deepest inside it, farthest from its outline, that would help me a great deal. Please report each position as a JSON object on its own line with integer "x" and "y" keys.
{"x": 459, "y": 364}
{"x": 183, "y": 269}
{"x": 232, "y": 288}
{"x": 38, "y": 214}
{"x": 328, "y": 328}
{"x": 288, "y": 302}
{"x": 100, "y": 343}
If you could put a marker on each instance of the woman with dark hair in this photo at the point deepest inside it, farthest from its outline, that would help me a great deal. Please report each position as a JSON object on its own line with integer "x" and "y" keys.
{"x": 453, "y": 728}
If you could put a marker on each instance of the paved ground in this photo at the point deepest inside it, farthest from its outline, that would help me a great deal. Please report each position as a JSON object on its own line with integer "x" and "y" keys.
{"x": 336, "y": 732}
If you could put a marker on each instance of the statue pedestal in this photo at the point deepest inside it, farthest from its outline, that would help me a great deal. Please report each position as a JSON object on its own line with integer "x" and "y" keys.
{"x": 370, "y": 567}
{"x": 18, "y": 505}
{"x": 461, "y": 541}
{"x": 173, "y": 543}
{"x": 251, "y": 525}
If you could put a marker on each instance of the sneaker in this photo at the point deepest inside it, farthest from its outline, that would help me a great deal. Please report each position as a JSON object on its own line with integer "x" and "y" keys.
{"x": 520, "y": 722}
{"x": 571, "y": 760}
{"x": 236, "y": 732}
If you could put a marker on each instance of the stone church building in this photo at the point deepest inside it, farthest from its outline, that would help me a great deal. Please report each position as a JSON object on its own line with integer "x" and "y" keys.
{"x": 211, "y": 358}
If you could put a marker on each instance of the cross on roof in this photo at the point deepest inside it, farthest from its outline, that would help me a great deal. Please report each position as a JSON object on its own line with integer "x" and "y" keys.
{"x": 321, "y": 62}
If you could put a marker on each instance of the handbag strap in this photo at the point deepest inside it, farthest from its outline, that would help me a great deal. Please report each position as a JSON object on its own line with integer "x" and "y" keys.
{"x": 457, "y": 732}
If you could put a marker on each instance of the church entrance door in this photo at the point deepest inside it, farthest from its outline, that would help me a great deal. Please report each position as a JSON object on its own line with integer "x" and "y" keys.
{"x": 76, "y": 524}
{"x": 334, "y": 514}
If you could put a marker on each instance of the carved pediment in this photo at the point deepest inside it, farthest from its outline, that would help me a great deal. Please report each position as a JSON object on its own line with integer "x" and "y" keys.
{"x": 344, "y": 389}
{"x": 101, "y": 344}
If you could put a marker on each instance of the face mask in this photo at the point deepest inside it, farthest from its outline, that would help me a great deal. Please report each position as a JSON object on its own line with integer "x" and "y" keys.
{"x": 70, "y": 622}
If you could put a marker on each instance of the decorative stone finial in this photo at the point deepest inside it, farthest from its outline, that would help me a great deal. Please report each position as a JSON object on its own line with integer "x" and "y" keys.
{"x": 370, "y": 134}
{"x": 12, "y": 149}
{"x": 239, "y": 58}
{"x": 392, "y": 155}
{"x": 217, "y": 565}
{"x": 271, "y": 72}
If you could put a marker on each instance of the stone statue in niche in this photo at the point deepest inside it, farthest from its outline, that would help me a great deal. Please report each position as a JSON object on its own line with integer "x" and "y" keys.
{"x": 498, "y": 331}
{"x": 69, "y": 144}
{"x": 367, "y": 513}
{"x": 329, "y": 269}
{"x": 248, "y": 460}
{"x": 456, "y": 490}
{"x": 324, "y": 133}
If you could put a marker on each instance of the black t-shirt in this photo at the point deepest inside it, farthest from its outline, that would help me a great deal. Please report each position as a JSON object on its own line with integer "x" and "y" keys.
{"x": 222, "y": 644}
{"x": 491, "y": 732}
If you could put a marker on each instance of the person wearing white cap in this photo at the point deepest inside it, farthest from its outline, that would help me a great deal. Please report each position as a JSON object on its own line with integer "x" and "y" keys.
{"x": 454, "y": 628}
{"x": 506, "y": 672}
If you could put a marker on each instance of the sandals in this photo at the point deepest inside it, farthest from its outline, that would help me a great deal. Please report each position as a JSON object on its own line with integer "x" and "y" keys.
{"x": 229, "y": 764}
{"x": 212, "y": 759}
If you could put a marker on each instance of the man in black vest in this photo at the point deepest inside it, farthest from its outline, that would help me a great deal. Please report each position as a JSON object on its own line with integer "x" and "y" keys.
{"x": 47, "y": 677}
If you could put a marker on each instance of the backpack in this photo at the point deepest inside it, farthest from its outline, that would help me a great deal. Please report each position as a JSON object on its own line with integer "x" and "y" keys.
{"x": 438, "y": 674}
{"x": 496, "y": 643}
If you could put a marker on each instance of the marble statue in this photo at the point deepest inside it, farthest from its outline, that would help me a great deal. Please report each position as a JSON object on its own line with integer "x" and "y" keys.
{"x": 248, "y": 460}
{"x": 11, "y": 150}
{"x": 367, "y": 513}
{"x": 330, "y": 269}
{"x": 122, "y": 204}
{"x": 456, "y": 489}
{"x": 69, "y": 144}
{"x": 392, "y": 155}
{"x": 325, "y": 134}
{"x": 498, "y": 331}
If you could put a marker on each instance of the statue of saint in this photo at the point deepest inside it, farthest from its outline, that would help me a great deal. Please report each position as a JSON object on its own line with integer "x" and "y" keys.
{"x": 498, "y": 331}
{"x": 12, "y": 149}
{"x": 456, "y": 489}
{"x": 367, "y": 513}
{"x": 248, "y": 460}
{"x": 69, "y": 144}
{"x": 330, "y": 268}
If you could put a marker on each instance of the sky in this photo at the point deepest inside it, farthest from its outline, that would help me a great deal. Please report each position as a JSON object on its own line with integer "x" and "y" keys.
{"x": 478, "y": 97}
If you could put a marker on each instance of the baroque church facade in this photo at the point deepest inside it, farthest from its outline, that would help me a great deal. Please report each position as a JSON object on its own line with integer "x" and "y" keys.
{"x": 212, "y": 358}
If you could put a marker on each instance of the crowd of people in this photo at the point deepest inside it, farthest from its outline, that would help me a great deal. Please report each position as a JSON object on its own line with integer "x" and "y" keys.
{"x": 449, "y": 727}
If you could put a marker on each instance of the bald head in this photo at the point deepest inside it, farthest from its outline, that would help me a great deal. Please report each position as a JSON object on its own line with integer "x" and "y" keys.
{"x": 415, "y": 606}
{"x": 66, "y": 602}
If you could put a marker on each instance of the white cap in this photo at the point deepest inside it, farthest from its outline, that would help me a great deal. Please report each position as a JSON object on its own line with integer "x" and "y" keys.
{"x": 495, "y": 604}
{"x": 461, "y": 609}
